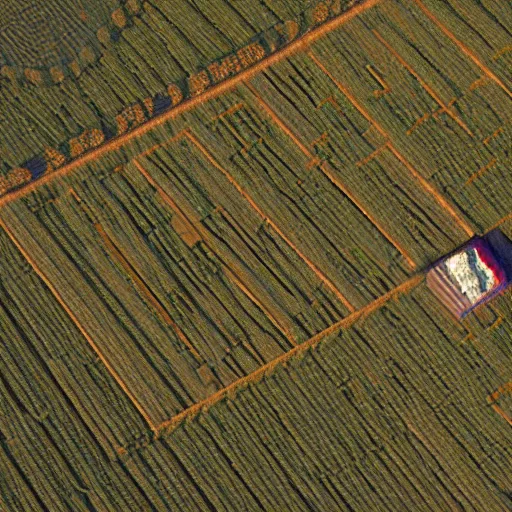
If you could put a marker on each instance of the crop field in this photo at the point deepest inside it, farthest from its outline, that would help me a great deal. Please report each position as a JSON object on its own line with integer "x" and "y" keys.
{"x": 213, "y": 297}
{"x": 365, "y": 433}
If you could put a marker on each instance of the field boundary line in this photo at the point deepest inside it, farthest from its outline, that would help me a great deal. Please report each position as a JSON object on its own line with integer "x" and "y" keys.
{"x": 476, "y": 175}
{"x": 492, "y": 135}
{"x": 500, "y": 222}
{"x": 154, "y": 148}
{"x": 502, "y": 413}
{"x": 237, "y": 280}
{"x": 378, "y": 78}
{"x": 374, "y": 154}
{"x": 440, "y": 199}
{"x": 346, "y": 322}
{"x": 326, "y": 170}
{"x": 167, "y": 426}
{"x": 75, "y": 321}
{"x": 505, "y": 388}
{"x": 222, "y": 118}
{"x": 270, "y": 222}
{"x": 216, "y": 90}
{"x": 494, "y": 397}
{"x": 145, "y": 290}
{"x": 467, "y": 51}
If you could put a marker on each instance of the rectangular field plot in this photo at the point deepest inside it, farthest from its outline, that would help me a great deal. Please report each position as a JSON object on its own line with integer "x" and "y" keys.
{"x": 443, "y": 113}
{"x": 161, "y": 311}
{"x": 326, "y": 121}
{"x": 240, "y": 148}
{"x": 303, "y": 301}
{"x": 46, "y": 360}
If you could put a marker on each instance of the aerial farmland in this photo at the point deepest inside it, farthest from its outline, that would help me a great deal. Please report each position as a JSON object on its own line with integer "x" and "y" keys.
{"x": 219, "y": 223}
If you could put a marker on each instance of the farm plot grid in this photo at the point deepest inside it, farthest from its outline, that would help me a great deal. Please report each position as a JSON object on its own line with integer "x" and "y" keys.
{"x": 227, "y": 310}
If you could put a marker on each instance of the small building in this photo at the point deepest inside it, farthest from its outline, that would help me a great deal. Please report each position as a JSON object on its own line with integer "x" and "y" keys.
{"x": 472, "y": 274}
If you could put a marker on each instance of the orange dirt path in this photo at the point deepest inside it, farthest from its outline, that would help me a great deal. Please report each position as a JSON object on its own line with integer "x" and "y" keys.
{"x": 113, "y": 145}
{"x": 312, "y": 342}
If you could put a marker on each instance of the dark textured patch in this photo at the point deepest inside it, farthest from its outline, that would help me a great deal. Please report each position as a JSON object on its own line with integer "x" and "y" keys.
{"x": 37, "y": 166}
{"x": 161, "y": 103}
